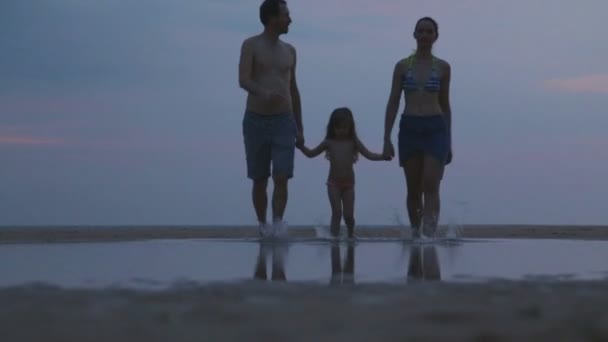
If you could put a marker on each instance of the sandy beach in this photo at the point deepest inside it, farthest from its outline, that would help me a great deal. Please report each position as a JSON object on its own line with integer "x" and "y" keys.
{"x": 37, "y": 234}
{"x": 426, "y": 311}
{"x": 543, "y": 309}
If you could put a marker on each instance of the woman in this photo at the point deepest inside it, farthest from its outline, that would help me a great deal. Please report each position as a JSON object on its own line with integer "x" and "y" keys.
{"x": 424, "y": 128}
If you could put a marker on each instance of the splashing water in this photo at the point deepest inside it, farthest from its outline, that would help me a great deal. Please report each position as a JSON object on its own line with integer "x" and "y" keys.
{"x": 454, "y": 229}
{"x": 321, "y": 229}
{"x": 406, "y": 230}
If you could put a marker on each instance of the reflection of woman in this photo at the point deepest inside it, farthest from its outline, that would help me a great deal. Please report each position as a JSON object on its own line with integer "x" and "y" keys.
{"x": 424, "y": 263}
{"x": 424, "y": 128}
{"x": 339, "y": 274}
{"x": 278, "y": 262}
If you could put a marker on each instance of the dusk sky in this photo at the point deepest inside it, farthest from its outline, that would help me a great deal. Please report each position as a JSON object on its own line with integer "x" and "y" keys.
{"x": 129, "y": 112}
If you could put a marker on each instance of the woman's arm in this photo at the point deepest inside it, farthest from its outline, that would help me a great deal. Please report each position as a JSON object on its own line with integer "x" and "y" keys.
{"x": 392, "y": 107}
{"x": 370, "y": 155}
{"x": 444, "y": 102}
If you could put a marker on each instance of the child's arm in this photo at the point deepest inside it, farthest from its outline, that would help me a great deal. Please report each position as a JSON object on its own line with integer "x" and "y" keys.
{"x": 315, "y": 151}
{"x": 370, "y": 155}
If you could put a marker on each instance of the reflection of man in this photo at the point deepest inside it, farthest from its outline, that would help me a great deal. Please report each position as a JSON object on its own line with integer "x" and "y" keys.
{"x": 424, "y": 263}
{"x": 339, "y": 274}
{"x": 279, "y": 252}
{"x": 273, "y": 115}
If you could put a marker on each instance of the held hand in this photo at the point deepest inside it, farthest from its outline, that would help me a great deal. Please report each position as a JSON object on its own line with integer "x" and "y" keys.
{"x": 449, "y": 159}
{"x": 299, "y": 140}
{"x": 388, "y": 149}
{"x": 387, "y": 157}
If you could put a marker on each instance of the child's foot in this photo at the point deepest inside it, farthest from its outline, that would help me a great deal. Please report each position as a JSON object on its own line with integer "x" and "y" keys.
{"x": 416, "y": 233}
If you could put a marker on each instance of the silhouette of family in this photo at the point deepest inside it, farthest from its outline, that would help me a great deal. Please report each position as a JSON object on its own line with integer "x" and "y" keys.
{"x": 273, "y": 128}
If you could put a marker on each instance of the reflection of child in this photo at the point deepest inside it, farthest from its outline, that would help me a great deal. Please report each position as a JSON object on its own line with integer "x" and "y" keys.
{"x": 341, "y": 147}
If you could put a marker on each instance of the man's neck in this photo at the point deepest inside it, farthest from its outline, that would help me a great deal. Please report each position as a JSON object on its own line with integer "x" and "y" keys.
{"x": 270, "y": 35}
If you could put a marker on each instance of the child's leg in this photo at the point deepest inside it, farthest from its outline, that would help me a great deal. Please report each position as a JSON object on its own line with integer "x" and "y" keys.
{"x": 336, "y": 264}
{"x": 335, "y": 200}
{"x": 348, "y": 202}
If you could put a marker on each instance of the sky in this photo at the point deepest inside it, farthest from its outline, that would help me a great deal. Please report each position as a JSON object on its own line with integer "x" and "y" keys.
{"x": 124, "y": 112}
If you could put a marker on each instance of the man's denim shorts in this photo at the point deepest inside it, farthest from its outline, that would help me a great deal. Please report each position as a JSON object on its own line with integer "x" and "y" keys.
{"x": 269, "y": 139}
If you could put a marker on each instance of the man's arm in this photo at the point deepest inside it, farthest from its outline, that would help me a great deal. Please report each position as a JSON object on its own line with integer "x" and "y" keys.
{"x": 315, "y": 151}
{"x": 295, "y": 95}
{"x": 245, "y": 71}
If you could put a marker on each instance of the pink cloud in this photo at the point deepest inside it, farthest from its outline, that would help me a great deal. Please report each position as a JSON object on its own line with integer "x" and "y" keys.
{"x": 24, "y": 104}
{"x": 24, "y": 140}
{"x": 597, "y": 83}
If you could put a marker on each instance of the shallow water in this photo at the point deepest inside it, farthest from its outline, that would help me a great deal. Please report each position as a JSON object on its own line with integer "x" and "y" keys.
{"x": 156, "y": 264}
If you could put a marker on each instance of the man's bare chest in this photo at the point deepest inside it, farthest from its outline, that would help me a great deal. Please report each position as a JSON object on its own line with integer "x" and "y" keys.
{"x": 277, "y": 60}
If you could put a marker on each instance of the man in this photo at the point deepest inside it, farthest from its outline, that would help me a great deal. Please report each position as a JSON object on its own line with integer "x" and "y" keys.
{"x": 273, "y": 116}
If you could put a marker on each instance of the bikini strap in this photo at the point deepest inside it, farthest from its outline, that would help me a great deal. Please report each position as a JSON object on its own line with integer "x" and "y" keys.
{"x": 410, "y": 61}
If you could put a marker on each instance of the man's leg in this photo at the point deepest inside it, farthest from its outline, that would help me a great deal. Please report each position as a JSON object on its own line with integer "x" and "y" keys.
{"x": 260, "y": 199}
{"x": 282, "y": 154}
{"x": 279, "y": 197}
{"x": 257, "y": 152}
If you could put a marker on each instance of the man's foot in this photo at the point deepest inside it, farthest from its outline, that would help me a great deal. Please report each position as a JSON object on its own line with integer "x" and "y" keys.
{"x": 265, "y": 230}
{"x": 429, "y": 231}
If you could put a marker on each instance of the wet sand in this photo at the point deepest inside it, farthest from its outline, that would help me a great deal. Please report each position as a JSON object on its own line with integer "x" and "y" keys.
{"x": 37, "y": 234}
{"x": 274, "y": 311}
{"x": 416, "y": 310}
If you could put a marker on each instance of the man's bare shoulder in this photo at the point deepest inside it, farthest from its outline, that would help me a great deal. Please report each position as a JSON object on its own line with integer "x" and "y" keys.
{"x": 251, "y": 41}
{"x": 289, "y": 46}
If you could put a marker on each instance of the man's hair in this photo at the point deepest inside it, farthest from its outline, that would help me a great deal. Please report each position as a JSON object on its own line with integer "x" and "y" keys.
{"x": 270, "y": 8}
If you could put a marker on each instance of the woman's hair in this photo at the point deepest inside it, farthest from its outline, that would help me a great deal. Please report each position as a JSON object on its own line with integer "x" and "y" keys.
{"x": 339, "y": 116}
{"x": 432, "y": 22}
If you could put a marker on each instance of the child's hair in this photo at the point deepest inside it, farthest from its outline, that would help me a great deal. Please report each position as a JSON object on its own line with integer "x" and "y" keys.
{"x": 340, "y": 116}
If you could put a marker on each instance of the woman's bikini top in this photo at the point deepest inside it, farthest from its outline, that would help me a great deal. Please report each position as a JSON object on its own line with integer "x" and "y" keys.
{"x": 409, "y": 83}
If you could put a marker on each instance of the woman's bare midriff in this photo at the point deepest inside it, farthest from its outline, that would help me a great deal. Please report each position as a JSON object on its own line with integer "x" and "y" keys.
{"x": 422, "y": 104}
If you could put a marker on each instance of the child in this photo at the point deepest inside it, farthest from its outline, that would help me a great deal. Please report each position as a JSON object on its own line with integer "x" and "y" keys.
{"x": 342, "y": 148}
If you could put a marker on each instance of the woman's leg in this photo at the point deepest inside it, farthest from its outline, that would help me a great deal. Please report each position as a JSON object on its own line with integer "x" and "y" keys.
{"x": 413, "y": 168}
{"x": 431, "y": 180}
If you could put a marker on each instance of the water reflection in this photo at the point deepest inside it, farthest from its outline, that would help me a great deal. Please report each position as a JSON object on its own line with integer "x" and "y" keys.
{"x": 342, "y": 272}
{"x": 423, "y": 264}
{"x": 277, "y": 253}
